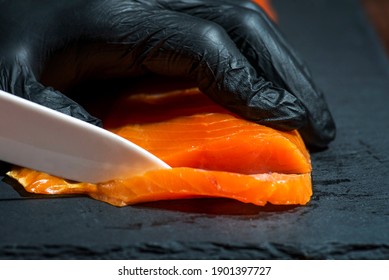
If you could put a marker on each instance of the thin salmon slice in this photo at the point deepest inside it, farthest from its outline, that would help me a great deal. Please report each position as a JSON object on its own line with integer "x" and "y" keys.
{"x": 179, "y": 183}
{"x": 213, "y": 154}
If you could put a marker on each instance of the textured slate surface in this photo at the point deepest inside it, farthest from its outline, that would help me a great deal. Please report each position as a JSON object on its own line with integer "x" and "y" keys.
{"x": 348, "y": 217}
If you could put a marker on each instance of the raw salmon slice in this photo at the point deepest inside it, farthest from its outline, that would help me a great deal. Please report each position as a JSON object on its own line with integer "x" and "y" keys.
{"x": 178, "y": 183}
{"x": 213, "y": 154}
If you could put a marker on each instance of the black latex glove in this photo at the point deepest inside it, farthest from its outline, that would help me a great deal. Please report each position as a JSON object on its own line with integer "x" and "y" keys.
{"x": 230, "y": 49}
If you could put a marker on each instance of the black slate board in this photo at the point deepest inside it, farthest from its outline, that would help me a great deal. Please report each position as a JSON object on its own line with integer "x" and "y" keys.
{"x": 348, "y": 217}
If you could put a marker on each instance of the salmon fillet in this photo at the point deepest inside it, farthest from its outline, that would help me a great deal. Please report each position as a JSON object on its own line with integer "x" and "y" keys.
{"x": 213, "y": 154}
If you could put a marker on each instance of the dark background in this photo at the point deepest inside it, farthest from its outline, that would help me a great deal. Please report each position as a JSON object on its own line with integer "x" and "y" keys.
{"x": 347, "y": 218}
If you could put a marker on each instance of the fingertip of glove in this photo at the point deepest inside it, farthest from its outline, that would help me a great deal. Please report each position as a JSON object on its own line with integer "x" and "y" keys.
{"x": 279, "y": 109}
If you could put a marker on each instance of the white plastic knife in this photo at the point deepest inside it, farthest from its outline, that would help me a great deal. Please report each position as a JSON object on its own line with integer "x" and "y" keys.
{"x": 43, "y": 139}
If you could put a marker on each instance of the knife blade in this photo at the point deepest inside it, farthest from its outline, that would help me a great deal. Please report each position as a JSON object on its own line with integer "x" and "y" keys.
{"x": 43, "y": 139}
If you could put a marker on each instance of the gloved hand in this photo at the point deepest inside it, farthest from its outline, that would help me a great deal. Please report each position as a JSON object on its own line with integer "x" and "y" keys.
{"x": 231, "y": 50}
